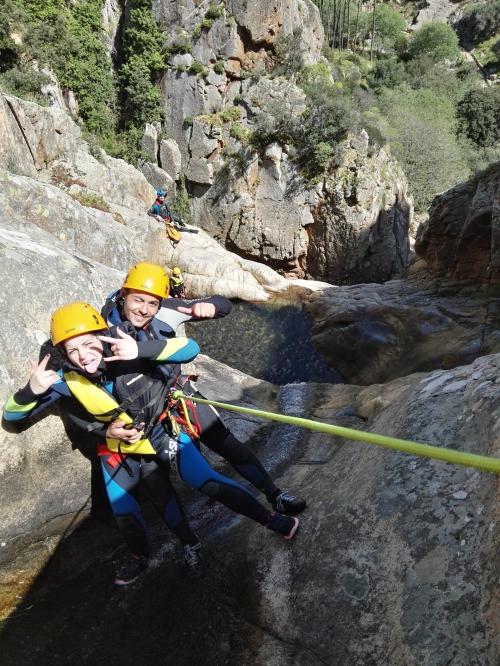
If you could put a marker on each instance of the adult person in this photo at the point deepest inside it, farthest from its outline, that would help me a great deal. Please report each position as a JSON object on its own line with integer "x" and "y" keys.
{"x": 109, "y": 386}
{"x": 177, "y": 283}
{"x": 162, "y": 211}
{"x": 143, "y": 302}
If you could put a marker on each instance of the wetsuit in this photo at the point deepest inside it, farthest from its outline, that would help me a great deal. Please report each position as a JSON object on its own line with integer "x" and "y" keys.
{"x": 164, "y": 211}
{"x": 177, "y": 286}
{"x": 214, "y": 433}
{"x": 123, "y": 472}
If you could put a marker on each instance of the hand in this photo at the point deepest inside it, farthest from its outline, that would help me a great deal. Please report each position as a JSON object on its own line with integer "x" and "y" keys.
{"x": 199, "y": 310}
{"x": 117, "y": 430}
{"x": 123, "y": 348}
{"x": 42, "y": 379}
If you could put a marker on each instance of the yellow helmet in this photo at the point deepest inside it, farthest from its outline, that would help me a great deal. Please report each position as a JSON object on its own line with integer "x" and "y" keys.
{"x": 149, "y": 278}
{"x": 176, "y": 270}
{"x": 74, "y": 319}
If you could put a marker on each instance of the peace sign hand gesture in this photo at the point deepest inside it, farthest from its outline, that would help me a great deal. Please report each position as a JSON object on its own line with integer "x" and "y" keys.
{"x": 123, "y": 348}
{"x": 42, "y": 379}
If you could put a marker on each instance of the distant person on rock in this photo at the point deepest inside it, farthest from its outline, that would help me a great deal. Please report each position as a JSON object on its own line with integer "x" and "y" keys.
{"x": 177, "y": 284}
{"x": 162, "y": 211}
{"x": 143, "y": 302}
{"x": 110, "y": 384}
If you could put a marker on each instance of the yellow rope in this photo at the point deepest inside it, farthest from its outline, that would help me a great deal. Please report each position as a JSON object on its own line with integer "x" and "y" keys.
{"x": 486, "y": 463}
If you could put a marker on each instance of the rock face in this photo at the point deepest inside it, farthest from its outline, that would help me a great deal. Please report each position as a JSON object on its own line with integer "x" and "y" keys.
{"x": 45, "y": 143}
{"x": 40, "y": 475}
{"x": 59, "y": 174}
{"x": 263, "y": 22}
{"x": 352, "y": 226}
{"x": 373, "y": 332}
{"x": 404, "y": 552}
{"x": 461, "y": 239}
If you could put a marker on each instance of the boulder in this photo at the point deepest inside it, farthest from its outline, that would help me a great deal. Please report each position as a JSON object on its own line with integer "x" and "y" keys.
{"x": 461, "y": 240}
{"x": 157, "y": 177}
{"x": 170, "y": 158}
{"x": 376, "y": 332}
{"x": 149, "y": 143}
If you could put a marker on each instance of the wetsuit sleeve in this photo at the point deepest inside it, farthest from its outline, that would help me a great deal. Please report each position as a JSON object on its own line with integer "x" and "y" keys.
{"x": 169, "y": 314}
{"x": 173, "y": 350}
{"x": 24, "y": 403}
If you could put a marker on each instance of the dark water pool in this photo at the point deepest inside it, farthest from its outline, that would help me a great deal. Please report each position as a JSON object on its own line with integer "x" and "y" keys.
{"x": 267, "y": 341}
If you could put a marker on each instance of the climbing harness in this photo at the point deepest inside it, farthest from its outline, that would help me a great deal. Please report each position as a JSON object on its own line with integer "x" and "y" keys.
{"x": 177, "y": 410}
{"x": 486, "y": 463}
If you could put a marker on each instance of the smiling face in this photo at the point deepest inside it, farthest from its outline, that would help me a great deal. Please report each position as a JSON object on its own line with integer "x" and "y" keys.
{"x": 85, "y": 352}
{"x": 139, "y": 308}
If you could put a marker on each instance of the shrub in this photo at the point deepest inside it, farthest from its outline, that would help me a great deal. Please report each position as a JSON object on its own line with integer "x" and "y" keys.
{"x": 90, "y": 200}
{"x": 288, "y": 53}
{"x": 219, "y": 67}
{"x": 480, "y": 21}
{"x": 477, "y": 114}
{"x": 181, "y": 46}
{"x": 207, "y": 23}
{"x": 232, "y": 113}
{"x": 422, "y": 133}
{"x": 322, "y": 153}
{"x": 389, "y": 29}
{"x": 181, "y": 202}
{"x": 213, "y": 12}
{"x": 436, "y": 40}
{"x": 388, "y": 73}
{"x": 25, "y": 82}
{"x": 239, "y": 132}
{"x": 197, "y": 67}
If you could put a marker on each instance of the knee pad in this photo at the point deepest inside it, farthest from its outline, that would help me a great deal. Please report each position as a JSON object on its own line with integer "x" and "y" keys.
{"x": 210, "y": 488}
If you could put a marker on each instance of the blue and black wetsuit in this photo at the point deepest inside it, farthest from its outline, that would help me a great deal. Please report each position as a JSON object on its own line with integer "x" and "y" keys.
{"x": 214, "y": 433}
{"x": 124, "y": 472}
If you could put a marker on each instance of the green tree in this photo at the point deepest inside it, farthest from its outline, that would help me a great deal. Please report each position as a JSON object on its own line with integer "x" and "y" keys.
{"x": 389, "y": 29}
{"x": 478, "y": 116}
{"x": 436, "y": 40}
{"x": 388, "y": 72}
{"x": 422, "y": 134}
{"x": 143, "y": 62}
{"x": 9, "y": 50}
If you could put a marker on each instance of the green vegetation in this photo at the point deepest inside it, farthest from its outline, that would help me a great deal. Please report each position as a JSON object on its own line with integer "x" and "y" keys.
{"x": 436, "y": 40}
{"x": 213, "y": 12}
{"x": 239, "y": 132}
{"x": 231, "y": 113}
{"x": 68, "y": 36}
{"x": 181, "y": 202}
{"x": 478, "y": 116}
{"x": 198, "y": 68}
{"x": 90, "y": 200}
{"x": 413, "y": 93}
